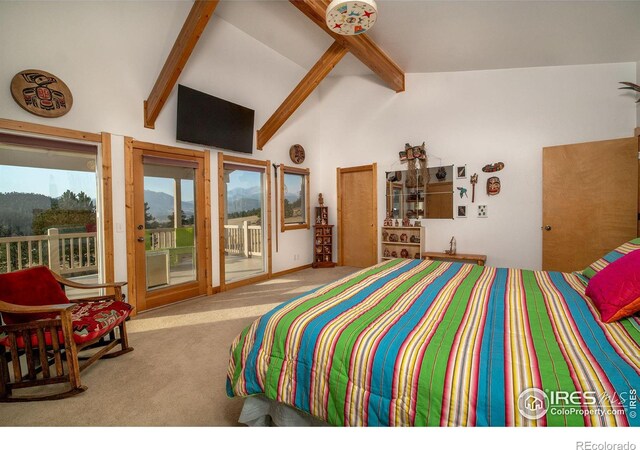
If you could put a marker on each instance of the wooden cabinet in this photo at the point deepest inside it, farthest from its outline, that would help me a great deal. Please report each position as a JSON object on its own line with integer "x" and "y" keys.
{"x": 402, "y": 242}
{"x": 322, "y": 239}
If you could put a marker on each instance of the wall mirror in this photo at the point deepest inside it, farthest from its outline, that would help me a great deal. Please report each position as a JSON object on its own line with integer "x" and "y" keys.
{"x": 420, "y": 194}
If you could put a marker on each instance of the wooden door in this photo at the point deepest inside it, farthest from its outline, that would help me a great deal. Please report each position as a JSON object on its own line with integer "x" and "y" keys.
{"x": 169, "y": 237}
{"x": 590, "y": 201}
{"x": 357, "y": 216}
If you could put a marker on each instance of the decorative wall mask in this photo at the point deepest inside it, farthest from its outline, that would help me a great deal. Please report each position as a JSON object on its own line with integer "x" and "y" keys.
{"x": 411, "y": 154}
{"x": 41, "y": 93}
{"x": 493, "y": 186}
{"x": 493, "y": 167}
{"x": 296, "y": 153}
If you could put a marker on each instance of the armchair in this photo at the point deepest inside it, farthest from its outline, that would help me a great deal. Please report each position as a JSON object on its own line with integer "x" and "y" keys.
{"x": 44, "y": 332}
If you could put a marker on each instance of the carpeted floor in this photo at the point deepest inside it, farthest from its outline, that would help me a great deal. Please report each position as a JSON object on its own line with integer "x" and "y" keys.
{"x": 176, "y": 374}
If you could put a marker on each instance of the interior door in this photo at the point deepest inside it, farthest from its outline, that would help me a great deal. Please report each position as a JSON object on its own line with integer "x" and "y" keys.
{"x": 357, "y": 216}
{"x": 590, "y": 201}
{"x": 169, "y": 226}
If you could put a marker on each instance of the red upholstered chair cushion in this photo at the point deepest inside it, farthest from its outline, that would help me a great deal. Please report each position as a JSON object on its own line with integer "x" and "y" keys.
{"x": 90, "y": 321}
{"x": 30, "y": 287}
{"x": 615, "y": 290}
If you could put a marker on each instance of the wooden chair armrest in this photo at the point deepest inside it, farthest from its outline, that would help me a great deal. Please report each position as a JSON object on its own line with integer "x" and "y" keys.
{"x": 73, "y": 284}
{"x": 101, "y": 298}
{"x": 20, "y": 309}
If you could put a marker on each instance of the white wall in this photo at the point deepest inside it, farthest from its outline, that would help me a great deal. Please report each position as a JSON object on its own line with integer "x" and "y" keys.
{"x": 476, "y": 118}
{"x": 110, "y": 53}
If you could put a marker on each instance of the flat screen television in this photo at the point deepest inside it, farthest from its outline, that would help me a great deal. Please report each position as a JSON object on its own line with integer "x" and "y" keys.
{"x": 208, "y": 120}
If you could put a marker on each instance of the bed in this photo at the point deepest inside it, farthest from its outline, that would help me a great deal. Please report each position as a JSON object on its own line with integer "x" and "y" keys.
{"x": 429, "y": 343}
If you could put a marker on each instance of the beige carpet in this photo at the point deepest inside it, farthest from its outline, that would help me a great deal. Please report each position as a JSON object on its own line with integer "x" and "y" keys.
{"x": 176, "y": 374}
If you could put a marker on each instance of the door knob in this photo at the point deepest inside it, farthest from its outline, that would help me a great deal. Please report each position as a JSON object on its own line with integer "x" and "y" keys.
{"x": 547, "y": 228}
{"x": 140, "y": 239}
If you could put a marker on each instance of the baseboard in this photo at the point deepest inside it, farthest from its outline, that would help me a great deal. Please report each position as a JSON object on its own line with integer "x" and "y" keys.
{"x": 248, "y": 281}
{"x": 212, "y": 290}
{"x": 288, "y": 271}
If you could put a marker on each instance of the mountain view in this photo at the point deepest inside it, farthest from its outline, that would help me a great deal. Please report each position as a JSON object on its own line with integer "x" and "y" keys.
{"x": 161, "y": 205}
{"x": 243, "y": 199}
{"x": 17, "y": 211}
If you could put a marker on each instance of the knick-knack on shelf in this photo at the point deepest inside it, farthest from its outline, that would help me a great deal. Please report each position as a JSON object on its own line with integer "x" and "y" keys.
{"x": 452, "y": 246}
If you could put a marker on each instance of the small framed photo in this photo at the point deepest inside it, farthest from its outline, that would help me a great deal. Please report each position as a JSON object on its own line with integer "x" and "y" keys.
{"x": 461, "y": 171}
{"x": 462, "y": 211}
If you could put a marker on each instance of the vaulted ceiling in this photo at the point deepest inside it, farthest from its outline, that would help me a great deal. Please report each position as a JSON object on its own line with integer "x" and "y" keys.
{"x": 437, "y": 36}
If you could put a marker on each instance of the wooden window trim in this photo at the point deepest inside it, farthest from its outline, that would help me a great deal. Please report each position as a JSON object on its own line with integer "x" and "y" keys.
{"x": 47, "y": 130}
{"x": 104, "y": 139}
{"x": 282, "y": 169}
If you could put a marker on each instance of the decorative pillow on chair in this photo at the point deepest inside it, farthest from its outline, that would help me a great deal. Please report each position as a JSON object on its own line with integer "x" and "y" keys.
{"x": 615, "y": 290}
{"x": 30, "y": 287}
{"x": 612, "y": 256}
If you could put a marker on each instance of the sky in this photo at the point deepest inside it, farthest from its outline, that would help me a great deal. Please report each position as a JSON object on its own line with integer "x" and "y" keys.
{"x": 244, "y": 179}
{"x": 49, "y": 182}
{"x": 165, "y": 185}
{"x": 53, "y": 182}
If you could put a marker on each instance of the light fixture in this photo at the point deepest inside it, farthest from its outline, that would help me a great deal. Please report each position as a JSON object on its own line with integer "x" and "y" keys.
{"x": 351, "y": 17}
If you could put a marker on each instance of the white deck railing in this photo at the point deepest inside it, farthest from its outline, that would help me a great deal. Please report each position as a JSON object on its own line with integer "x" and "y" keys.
{"x": 243, "y": 239}
{"x": 67, "y": 253}
{"x": 162, "y": 238}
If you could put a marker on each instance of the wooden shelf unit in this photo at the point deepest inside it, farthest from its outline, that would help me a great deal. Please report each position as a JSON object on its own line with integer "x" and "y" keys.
{"x": 322, "y": 239}
{"x": 414, "y": 249}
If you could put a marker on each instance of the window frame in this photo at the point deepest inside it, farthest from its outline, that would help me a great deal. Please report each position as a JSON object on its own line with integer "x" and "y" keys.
{"x": 282, "y": 170}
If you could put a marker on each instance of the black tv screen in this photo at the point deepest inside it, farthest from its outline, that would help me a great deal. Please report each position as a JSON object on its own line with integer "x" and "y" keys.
{"x": 208, "y": 120}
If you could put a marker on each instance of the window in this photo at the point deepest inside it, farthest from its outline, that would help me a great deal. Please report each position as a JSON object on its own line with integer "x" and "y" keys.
{"x": 49, "y": 198}
{"x": 294, "y": 198}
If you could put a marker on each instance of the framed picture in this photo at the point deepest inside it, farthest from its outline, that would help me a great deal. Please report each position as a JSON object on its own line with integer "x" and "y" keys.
{"x": 403, "y": 156}
{"x": 462, "y": 211}
{"x": 461, "y": 171}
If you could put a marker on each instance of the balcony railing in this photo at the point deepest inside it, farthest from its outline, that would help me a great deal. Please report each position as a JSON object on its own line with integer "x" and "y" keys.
{"x": 245, "y": 239}
{"x": 77, "y": 253}
{"x": 162, "y": 238}
{"x": 68, "y": 253}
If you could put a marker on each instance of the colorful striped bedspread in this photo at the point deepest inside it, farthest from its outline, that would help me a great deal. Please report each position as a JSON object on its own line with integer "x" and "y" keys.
{"x": 428, "y": 343}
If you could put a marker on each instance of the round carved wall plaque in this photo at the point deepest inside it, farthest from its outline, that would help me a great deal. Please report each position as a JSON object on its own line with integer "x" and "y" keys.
{"x": 296, "y": 153}
{"x": 41, "y": 93}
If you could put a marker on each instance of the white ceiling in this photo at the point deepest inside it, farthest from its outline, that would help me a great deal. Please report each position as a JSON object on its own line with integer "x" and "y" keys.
{"x": 443, "y": 36}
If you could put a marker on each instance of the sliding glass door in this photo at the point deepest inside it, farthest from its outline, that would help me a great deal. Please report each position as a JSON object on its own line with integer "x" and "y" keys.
{"x": 244, "y": 221}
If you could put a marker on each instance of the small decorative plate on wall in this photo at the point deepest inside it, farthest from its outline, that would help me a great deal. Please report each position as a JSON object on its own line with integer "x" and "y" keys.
{"x": 296, "y": 153}
{"x": 41, "y": 93}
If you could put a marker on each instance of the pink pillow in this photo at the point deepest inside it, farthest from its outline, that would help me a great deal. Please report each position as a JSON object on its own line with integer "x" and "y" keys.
{"x": 615, "y": 290}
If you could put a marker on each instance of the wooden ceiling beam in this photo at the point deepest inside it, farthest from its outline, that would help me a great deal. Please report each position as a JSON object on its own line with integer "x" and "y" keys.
{"x": 310, "y": 81}
{"x": 361, "y": 46}
{"x": 194, "y": 25}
